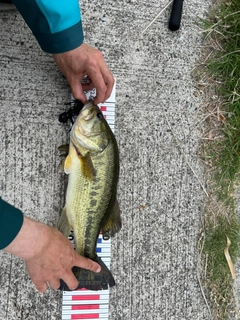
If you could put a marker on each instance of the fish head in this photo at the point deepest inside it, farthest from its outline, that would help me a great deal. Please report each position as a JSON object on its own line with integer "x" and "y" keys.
{"x": 90, "y": 129}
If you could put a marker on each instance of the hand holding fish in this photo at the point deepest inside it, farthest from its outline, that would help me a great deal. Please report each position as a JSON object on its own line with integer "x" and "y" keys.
{"x": 86, "y": 61}
{"x": 49, "y": 256}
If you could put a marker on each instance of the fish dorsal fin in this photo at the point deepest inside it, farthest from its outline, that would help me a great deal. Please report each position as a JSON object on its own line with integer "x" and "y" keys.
{"x": 68, "y": 164}
{"x": 113, "y": 223}
{"x": 87, "y": 167}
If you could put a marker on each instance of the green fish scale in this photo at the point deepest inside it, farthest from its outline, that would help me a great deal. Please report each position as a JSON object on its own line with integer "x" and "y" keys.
{"x": 91, "y": 200}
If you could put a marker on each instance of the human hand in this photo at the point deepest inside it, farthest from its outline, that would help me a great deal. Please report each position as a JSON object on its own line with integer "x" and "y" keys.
{"x": 86, "y": 61}
{"x": 49, "y": 255}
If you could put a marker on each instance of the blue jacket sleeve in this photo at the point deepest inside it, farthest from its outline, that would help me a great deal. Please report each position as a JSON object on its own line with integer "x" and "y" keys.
{"x": 11, "y": 220}
{"x": 56, "y": 24}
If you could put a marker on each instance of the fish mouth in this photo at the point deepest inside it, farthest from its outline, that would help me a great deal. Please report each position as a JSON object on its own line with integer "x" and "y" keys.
{"x": 88, "y": 104}
{"x": 90, "y": 108}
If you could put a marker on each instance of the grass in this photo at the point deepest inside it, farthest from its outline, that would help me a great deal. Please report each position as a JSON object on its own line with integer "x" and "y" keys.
{"x": 221, "y": 153}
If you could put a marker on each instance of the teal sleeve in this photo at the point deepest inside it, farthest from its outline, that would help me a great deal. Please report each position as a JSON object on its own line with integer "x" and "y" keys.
{"x": 56, "y": 24}
{"x": 11, "y": 220}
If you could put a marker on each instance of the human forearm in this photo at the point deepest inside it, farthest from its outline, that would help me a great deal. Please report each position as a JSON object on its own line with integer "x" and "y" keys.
{"x": 31, "y": 240}
{"x": 11, "y": 220}
{"x": 56, "y": 25}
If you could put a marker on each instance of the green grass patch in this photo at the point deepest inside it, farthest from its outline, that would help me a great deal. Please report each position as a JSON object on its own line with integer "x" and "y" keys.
{"x": 225, "y": 67}
{"x": 216, "y": 241}
{"x": 218, "y": 279}
{"x": 222, "y": 31}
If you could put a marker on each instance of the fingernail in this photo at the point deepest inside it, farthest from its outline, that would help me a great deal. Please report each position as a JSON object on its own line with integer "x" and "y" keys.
{"x": 98, "y": 270}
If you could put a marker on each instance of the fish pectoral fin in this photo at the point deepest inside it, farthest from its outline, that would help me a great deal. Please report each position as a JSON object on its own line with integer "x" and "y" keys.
{"x": 64, "y": 148}
{"x": 63, "y": 225}
{"x": 113, "y": 223}
{"x": 87, "y": 167}
{"x": 68, "y": 164}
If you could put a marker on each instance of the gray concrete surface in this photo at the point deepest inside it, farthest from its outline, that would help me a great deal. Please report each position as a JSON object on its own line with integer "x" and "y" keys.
{"x": 154, "y": 256}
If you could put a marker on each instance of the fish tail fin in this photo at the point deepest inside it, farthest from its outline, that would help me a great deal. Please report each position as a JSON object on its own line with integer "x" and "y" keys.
{"x": 63, "y": 225}
{"x": 90, "y": 280}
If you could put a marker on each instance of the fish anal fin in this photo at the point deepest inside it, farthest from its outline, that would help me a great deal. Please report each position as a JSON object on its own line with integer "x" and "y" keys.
{"x": 63, "y": 225}
{"x": 87, "y": 167}
{"x": 113, "y": 223}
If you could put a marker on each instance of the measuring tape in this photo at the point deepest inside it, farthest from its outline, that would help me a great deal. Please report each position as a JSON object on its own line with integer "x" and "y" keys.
{"x": 87, "y": 304}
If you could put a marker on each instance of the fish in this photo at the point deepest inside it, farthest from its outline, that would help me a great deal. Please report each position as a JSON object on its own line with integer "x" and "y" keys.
{"x": 91, "y": 205}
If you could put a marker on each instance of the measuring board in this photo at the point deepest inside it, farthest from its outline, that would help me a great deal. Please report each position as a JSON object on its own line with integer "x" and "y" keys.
{"x": 87, "y": 304}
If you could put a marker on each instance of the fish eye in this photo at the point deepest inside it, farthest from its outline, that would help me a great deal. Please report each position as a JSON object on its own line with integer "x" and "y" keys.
{"x": 100, "y": 115}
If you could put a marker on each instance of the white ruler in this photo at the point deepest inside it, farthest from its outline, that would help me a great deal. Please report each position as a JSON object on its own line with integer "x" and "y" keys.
{"x": 87, "y": 304}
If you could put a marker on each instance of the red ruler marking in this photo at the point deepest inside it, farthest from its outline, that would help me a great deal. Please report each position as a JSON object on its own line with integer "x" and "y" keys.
{"x": 103, "y": 108}
{"x": 86, "y": 307}
{"x": 87, "y": 297}
{"x": 85, "y": 316}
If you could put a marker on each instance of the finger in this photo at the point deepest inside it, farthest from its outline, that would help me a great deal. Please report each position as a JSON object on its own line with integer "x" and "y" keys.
{"x": 40, "y": 285}
{"x": 54, "y": 284}
{"x": 99, "y": 84}
{"x": 88, "y": 86}
{"x": 70, "y": 280}
{"x": 109, "y": 81}
{"x": 86, "y": 263}
{"x": 77, "y": 90}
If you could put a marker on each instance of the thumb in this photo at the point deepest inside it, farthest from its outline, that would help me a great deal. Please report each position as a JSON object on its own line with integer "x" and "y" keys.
{"x": 87, "y": 264}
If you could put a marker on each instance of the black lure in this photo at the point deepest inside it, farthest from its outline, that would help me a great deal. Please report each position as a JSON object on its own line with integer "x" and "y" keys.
{"x": 72, "y": 113}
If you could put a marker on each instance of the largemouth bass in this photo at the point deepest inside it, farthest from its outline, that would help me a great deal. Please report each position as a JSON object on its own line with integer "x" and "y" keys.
{"x": 91, "y": 205}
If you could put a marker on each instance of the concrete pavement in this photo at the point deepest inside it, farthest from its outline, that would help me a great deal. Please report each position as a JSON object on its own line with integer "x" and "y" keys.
{"x": 154, "y": 257}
